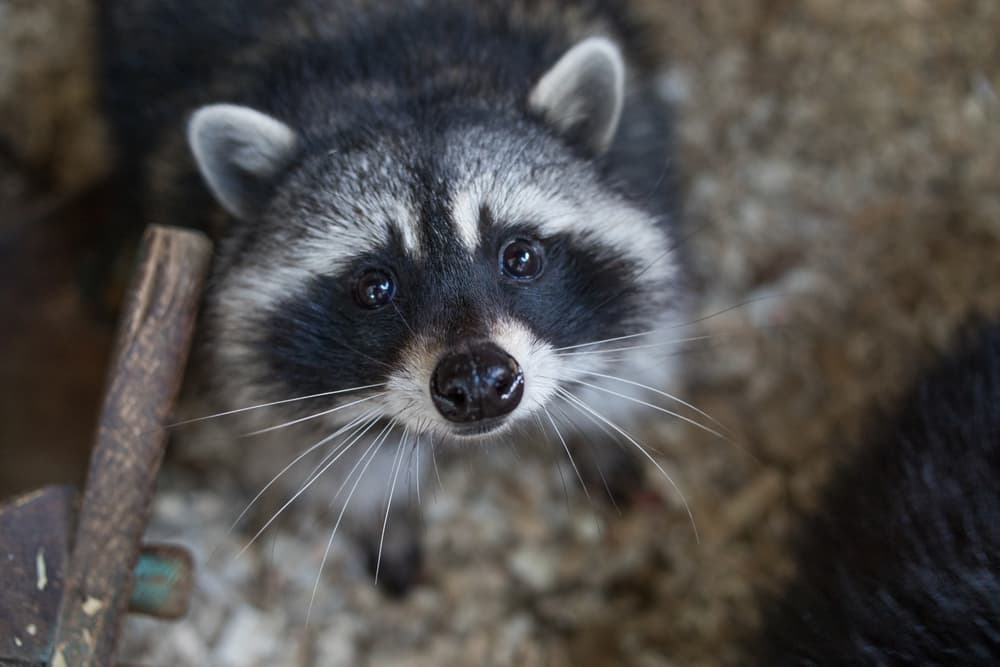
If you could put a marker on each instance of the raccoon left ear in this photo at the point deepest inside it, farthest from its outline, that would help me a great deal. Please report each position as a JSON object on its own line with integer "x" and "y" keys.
{"x": 240, "y": 152}
{"x": 583, "y": 94}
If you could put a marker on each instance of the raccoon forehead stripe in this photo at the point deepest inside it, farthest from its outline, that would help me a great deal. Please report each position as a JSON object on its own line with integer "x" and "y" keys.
{"x": 405, "y": 223}
{"x": 466, "y": 205}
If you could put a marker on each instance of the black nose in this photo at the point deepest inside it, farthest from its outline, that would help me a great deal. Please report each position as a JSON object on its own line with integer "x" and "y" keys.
{"x": 478, "y": 382}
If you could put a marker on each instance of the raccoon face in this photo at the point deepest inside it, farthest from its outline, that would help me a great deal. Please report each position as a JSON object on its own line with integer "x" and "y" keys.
{"x": 449, "y": 279}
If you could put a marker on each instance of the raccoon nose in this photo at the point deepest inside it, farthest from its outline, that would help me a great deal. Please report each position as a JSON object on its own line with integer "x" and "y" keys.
{"x": 478, "y": 382}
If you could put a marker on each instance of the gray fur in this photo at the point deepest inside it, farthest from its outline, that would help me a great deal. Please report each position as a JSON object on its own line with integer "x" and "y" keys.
{"x": 583, "y": 94}
{"x": 417, "y": 139}
{"x": 240, "y": 152}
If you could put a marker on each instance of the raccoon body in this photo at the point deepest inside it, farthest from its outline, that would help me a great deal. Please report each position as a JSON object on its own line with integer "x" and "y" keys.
{"x": 427, "y": 214}
{"x": 902, "y": 564}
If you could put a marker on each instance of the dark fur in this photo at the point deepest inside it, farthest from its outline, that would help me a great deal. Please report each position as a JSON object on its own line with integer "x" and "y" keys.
{"x": 902, "y": 566}
{"x": 560, "y": 309}
{"x": 316, "y": 65}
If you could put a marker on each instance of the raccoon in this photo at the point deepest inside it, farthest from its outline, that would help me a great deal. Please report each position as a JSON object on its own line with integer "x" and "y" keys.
{"x": 435, "y": 221}
{"x": 902, "y": 563}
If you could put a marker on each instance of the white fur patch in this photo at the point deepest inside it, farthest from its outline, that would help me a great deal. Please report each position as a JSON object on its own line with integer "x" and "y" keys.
{"x": 465, "y": 208}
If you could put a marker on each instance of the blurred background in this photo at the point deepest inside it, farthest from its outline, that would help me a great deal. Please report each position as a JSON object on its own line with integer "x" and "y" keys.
{"x": 840, "y": 163}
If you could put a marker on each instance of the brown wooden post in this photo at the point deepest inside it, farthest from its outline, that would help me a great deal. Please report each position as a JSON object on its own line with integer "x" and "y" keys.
{"x": 149, "y": 358}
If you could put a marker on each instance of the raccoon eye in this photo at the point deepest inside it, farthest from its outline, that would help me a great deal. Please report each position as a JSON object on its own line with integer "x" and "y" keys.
{"x": 521, "y": 260}
{"x": 374, "y": 289}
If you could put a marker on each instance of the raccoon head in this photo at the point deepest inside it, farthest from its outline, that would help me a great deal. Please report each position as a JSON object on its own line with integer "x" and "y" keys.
{"x": 452, "y": 268}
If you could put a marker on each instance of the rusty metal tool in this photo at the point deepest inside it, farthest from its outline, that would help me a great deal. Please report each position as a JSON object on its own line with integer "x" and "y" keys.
{"x": 68, "y": 575}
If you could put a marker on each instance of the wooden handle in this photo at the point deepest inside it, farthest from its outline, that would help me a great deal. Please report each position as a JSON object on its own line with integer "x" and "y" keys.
{"x": 150, "y": 354}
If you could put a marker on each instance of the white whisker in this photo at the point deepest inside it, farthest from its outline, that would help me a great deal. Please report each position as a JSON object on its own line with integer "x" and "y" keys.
{"x": 562, "y": 478}
{"x": 397, "y": 464}
{"x": 664, "y": 394}
{"x": 608, "y": 340}
{"x": 576, "y": 400}
{"x": 590, "y": 449}
{"x": 654, "y": 407}
{"x": 674, "y": 326}
{"x": 288, "y": 467}
{"x": 313, "y": 416}
{"x": 434, "y": 460}
{"x": 377, "y": 444}
{"x": 295, "y": 497}
{"x": 382, "y": 435}
{"x": 649, "y": 346}
{"x": 354, "y": 437}
{"x": 416, "y": 448}
{"x": 273, "y": 403}
{"x": 569, "y": 455}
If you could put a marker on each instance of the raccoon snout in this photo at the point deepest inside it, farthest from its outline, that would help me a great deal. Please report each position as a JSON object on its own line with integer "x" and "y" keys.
{"x": 478, "y": 382}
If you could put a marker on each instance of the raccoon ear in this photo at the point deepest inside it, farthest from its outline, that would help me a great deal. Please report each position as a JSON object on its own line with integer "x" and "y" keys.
{"x": 239, "y": 152}
{"x": 583, "y": 94}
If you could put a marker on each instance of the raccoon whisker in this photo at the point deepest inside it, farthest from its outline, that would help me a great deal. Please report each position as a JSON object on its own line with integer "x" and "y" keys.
{"x": 590, "y": 450}
{"x": 395, "y": 307}
{"x": 313, "y": 416}
{"x": 569, "y": 350}
{"x": 625, "y": 359}
{"x": 374, "y": 448}
{"x": 656, "y": 260}
{"x": 665, "y": 343}
{"x": 664, "y": 394}
{"x": 654, "y": 407}
{"x": 649, "y": 332}
{"x": 409, "y": 473}
{"x": 569, "y": 454}
{"x": 576, "y": 469}
{"x": 369, "y": 357}
{"x": 747, "y": 302}
{"x": 288, "y": 467}
{"x": 434, "y": 462}
{"x": 382, "y": 435}
{"x": 416, "y": 449}
{"x": 672, "y": 327}
{"x": 583, "y": 407}
{"x": 511, "y": 442}
{"x": 614, "y": 437}
{"x": 655, "y": 190}
{"x": 273, "y": 403}
{"x": 397, "y": 465}
{"x": 298, "y": 493}
{"x": 354, "y": 437}
{"x": 607, "y": 340}
{"x": 562, "y": 478}
{"x": 414, "y": 452}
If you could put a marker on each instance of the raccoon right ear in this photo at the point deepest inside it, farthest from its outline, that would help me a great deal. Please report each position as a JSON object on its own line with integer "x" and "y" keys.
{"x": 239, "y": 152}
{"x": 583, "y": 94}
